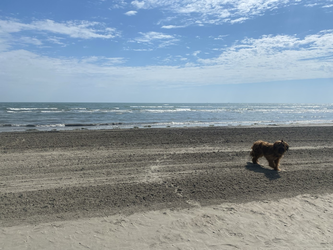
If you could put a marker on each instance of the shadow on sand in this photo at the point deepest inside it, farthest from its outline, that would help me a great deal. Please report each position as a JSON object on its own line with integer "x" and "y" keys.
{"x": 269, "y": 173}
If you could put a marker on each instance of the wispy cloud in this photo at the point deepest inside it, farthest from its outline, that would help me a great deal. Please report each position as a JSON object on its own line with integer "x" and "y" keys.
{"x": 200, "y": 12}
{"x": 30, "y": 40}
{"x": 74, "y": 29}
{"x": 239, "y": 20}
{"x": 276, "y": 51}
{"x": 220, "y": 37}
{"x": 102, "y": 60}
{"x": 138, "y": 4}
{"x": 173, "y": 26}
{"x": 56, "y": 40}
{"x": 213, "y": 12}
{"x": 196, "y": 53}
{"x": 119, "y": 4}
{"x": 153, "y": 37}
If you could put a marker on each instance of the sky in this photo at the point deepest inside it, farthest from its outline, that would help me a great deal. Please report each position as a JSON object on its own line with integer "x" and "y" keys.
{"x": 211, "y": 51}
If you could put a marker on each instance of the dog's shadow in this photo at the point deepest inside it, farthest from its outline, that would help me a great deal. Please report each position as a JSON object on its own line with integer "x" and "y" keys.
{"x": 269, "y": 173}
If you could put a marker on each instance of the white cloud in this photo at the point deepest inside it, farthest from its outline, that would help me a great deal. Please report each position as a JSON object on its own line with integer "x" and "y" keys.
{"x": 266, "y": 59}
{"x": 102, "y": 60}
{"x": 272, "y": 48}
{"x": 173, "y": 26}
{"x": 238, "y": 20}
{"x": 138, "y": 4}
{"x": 196, "y": 53}
{"x": 30, "y": 40}
{"x": 74, "y": 29}
{"x": 152, "y": 37}
{"x": 119, "y": 4}
{"x": 279, "y": 57}
{"x": 142, "y": 50}
{"x": 311, "y": 5}
{"x": 220, "y": 37}
{"x": 212, "y": 11}
{"x": 200, "y": 12}
{"x": 56, "y": 40}
{"x": 131, "y": 13}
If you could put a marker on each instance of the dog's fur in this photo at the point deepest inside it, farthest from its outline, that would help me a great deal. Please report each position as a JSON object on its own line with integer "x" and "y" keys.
{"x": 272, "y": 152}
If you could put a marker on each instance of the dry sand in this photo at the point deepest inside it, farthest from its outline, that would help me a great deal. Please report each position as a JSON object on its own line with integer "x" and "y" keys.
{"x": 176, "y": 188}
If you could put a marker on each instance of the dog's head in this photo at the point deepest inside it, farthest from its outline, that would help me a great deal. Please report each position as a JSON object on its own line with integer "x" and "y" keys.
{"x": 281, "y": 147}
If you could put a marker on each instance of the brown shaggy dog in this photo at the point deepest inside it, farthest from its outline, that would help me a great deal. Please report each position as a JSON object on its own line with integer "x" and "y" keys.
{"x": 272, "y": 152}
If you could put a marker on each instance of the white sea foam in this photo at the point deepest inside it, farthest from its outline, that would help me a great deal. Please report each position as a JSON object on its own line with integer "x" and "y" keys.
{"x": 23, "y": 109}
{"x": 167, "y": 110}
{"x": 52, "y": 126}
{"x": 52, "y": 111}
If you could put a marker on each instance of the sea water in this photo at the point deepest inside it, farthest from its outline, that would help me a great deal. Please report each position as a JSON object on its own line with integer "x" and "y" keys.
{"x": 61, "y": 116}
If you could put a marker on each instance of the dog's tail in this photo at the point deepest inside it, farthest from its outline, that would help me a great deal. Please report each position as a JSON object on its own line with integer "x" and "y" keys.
{"x": 252, "y": 151}
{"x": 255, "y": 148}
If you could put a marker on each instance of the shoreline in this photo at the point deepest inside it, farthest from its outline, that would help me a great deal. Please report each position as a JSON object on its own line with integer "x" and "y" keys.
{"x": 122, "y": 126}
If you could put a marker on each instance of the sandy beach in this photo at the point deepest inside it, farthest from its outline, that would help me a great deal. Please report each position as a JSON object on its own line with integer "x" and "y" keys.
{"x": 170, "y": 188}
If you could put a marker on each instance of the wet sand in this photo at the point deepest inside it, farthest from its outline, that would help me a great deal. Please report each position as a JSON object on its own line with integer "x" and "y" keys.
{"x": 111, "y": 181}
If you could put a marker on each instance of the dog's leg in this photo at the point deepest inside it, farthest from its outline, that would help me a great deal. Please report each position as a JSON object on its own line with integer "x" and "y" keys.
{"x": 254, "y": 157}
{"x": 272, "y": 164}
{"x": 277, "y": 163}
{"x": 255, "y": 160}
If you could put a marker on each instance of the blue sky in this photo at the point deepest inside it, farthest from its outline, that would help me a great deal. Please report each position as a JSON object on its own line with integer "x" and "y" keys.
{"x": 166, "y": 51}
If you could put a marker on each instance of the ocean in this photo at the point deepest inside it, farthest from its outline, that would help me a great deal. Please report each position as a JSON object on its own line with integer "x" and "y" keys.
{"x": 65, "y": 116}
